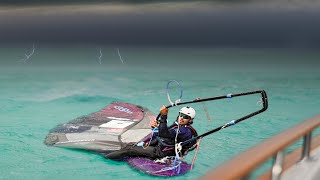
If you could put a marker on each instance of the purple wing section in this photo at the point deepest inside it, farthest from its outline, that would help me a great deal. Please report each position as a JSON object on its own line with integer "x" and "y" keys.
{"x": 153, "y": 168}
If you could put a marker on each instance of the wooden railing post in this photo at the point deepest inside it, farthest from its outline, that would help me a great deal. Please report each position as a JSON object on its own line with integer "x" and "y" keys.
{"x": 246, "y": 177}
{"x": 277, "y": 166}
{"x": 306, "y": 146}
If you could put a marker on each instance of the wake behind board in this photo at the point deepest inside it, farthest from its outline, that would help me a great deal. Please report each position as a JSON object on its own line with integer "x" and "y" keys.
{"x": 153, "y": 168}
{"x": 107, "y": 130}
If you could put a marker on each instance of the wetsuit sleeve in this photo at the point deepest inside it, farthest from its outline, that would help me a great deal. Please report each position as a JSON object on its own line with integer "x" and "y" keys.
{"x": 163, "y": 128}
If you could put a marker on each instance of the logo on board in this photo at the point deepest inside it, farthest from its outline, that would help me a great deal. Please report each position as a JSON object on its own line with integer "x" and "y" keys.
{"x": 123, "y": 109}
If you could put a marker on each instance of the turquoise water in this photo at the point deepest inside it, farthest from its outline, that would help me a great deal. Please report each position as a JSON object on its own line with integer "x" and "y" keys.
{"x": 58, "y": 85}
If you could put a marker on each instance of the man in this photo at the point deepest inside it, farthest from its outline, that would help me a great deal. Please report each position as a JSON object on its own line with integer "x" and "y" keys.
{"x": 164, "y": 145}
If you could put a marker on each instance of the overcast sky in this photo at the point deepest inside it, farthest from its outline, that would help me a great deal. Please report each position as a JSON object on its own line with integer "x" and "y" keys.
{"x": 280, "y": 23}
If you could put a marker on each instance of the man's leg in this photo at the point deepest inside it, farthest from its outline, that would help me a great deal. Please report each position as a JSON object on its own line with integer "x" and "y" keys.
{"x": 134, "y": 151}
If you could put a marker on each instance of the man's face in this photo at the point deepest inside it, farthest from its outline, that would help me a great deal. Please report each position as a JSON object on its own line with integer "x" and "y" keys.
{"x": 183, "y": 119}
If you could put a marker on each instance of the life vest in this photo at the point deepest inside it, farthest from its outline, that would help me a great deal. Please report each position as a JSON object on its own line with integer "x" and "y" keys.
{"x": 192, "y": 144}
{"x": 169, "y": 144}
{"x": 194, "y": 132}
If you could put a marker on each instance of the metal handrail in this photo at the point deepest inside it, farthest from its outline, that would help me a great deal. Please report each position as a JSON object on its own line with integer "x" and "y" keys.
{"x": 245, "y": 163}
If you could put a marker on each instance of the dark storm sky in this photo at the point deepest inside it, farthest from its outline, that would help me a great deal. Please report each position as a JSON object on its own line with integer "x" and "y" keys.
{"x": 191, "y": 23}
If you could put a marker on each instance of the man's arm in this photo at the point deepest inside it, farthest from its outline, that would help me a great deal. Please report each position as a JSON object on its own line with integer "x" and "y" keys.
{"x": 163, "y": 128}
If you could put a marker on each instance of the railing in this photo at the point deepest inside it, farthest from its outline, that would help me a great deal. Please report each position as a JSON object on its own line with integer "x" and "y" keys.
{"x": 245, "y": 163}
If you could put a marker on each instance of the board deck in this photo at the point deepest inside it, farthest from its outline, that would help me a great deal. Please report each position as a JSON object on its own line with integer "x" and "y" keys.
{"x": 153, "y": 168}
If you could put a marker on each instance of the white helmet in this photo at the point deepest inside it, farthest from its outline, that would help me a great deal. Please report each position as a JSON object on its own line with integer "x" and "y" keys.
{"x": 188, "y": 111}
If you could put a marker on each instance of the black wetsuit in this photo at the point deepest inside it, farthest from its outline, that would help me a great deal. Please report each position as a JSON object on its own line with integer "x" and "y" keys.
{"x": 157, "y": 149}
